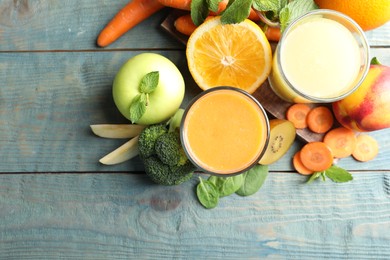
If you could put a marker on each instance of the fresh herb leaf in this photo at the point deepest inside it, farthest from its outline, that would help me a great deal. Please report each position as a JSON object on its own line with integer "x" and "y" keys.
{"x": 207, "y": 194}
{"x": 313, "y": 177}
{"x": 138, "y": 107}
{"x": 227, "y": 185}
{"x": 253, "y": 180}
{"x": 149, "y": 82}
{"x": 338, "y": 174}
{"x": 293, "y": 10}
{"x": 268, "y": 5}
{"x": 199, "y": 11}
{"x": 213, "y": 5}
{"x": 236, "y": 12}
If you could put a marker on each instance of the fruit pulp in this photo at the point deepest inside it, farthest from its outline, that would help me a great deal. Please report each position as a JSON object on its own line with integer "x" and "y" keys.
{"x": 319, "y": 59}
{"x": 224, "y": 131}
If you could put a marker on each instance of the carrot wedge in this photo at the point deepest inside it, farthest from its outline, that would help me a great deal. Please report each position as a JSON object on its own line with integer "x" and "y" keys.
{"x": 341, "y": 141}
{"x": 366, "y": 148}
{"x": 184, "y": 24}
{"x": 316, "y": 156}
{"x": 129, "y": 16}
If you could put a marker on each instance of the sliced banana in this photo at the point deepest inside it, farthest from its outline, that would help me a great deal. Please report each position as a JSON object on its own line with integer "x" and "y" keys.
{"x": 123, "y": 153}
{"x": 117, "y": 130}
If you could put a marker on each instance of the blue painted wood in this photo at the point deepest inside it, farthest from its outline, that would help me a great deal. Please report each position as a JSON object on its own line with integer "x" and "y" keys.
{"x": 121, "y": 216}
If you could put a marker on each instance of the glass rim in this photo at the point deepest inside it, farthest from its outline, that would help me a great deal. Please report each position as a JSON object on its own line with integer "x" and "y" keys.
{"x": 364, "y": 43}
{"x": 215, "y": 89}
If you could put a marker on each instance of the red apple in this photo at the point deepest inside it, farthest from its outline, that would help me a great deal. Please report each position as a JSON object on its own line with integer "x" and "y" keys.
{"x": 368, "y": 108}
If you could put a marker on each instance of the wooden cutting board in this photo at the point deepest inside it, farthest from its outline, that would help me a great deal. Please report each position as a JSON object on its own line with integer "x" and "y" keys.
{"x": 275, "y": 106}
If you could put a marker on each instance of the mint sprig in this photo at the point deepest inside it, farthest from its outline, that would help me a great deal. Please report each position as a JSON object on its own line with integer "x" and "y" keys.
{"x": 140, "y": 102}
{"x": 237, "y": 11}
{"x": 335, "y": 173}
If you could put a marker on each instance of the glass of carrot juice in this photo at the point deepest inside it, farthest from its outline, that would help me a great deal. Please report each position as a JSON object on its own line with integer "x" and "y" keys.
{"x": 322, "y": 57}
{"x": 224, "y": 131}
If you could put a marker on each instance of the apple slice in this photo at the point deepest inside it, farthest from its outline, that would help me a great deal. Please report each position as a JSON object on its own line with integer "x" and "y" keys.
{"x": 123, "y": 153}
{"x": 282, "y": 136}
{"x": 117, "y": 130}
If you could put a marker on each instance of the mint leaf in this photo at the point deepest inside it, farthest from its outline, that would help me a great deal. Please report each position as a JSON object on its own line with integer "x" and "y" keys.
{"x": 149, "y": 82}
{"x": 236, "y": 12}
{"x": 199, "y": 11}
{"x": 268, "y": 5}
{"x": 213, "y": 5}
{"x": 293, "y": 10}
{"x": 338, "y": 174}
{"x": 313, "y": 177}
{"x": 138, "y": 107}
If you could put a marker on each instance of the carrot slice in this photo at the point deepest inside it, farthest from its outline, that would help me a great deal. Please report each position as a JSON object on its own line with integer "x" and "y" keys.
{"x": 341, "y": 140}
{"x": 272, "y": 33}
{"x": 297, "y": 115}
{"x": 366, "y": 148}
{"x": 320, "y": 119}
{"x": 298, "y": 165}
{"x": 316, "y": 156}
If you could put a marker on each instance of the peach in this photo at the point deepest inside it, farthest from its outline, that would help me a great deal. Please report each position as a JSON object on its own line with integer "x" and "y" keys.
{"x": 368, "y": 108}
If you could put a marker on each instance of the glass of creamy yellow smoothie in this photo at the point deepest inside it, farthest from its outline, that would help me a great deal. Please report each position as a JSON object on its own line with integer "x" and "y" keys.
{"x": 224, "y": 131}
{"x": 323, "y": 56}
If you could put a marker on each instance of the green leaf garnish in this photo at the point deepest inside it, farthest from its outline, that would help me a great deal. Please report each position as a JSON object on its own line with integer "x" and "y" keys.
{"x": 253, "y": 180}
{"x": 334, "y": 173}
{"x": 213, "y": 5}
{"x": 149, "y": 82}
{"x": 236, "y": 12}
{"x": 338, "y": 174}
{"x": 199, "y": 11}
{"x": 139, "y": 104}
{"x": 293, "y": 10}
{"x": 207, "y": 194}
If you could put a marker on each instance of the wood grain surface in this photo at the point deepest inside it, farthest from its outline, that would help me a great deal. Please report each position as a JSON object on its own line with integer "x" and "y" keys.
{"x": 58, "y": 202}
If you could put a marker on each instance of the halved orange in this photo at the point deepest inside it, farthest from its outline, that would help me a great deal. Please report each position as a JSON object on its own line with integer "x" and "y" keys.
{"x": 236, "y": 55}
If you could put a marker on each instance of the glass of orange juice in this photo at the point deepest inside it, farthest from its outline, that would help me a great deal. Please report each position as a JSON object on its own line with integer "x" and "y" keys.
{"x": 322, "y": 57}
{"x": 224, "y": 131}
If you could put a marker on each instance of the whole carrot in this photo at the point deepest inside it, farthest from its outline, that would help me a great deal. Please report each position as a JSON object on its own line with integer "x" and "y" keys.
{"x": 178, "y": 4}
{"x": 185, "y": 25}
{"x": 129, "y": 16}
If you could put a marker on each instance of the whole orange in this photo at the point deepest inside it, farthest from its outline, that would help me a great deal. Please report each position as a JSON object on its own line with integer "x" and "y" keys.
{"x": 369, "y": 14}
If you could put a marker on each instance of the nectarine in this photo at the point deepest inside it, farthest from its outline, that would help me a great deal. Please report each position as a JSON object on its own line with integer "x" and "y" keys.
{"x": 368, "y": 108}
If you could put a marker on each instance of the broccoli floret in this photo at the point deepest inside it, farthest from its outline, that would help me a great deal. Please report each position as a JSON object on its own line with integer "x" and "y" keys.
{"x": 164, "y": 174}
{"x": 148, "y": 137}
{"x": 168, "y": 148}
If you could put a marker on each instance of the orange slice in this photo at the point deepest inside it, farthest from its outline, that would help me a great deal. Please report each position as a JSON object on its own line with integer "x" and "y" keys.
{"x": 236, "y": 55}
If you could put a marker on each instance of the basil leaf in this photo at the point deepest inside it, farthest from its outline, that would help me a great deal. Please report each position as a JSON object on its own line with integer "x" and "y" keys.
{"x": 199, "y": 11}
{"x": 149, "y": 82}
{"x": 293, "y": 10}
{"x": 207, "y": 194}
{"x": 227, "y": 185}
{"x": 138, "y": 107}
{"x": 338, "y": 174}
{"x": 236, "y": 12}
{"x": 253, "y": 180}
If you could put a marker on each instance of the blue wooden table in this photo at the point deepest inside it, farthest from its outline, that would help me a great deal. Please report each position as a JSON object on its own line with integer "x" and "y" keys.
{"x": 58, "y": 202}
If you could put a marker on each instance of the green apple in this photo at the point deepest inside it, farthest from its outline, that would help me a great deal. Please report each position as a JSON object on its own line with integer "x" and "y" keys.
{"x": 163, "y": 101}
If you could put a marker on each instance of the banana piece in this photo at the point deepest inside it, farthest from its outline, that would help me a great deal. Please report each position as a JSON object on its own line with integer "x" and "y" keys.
{"x": 123, "y": 153}
{"x": 117, "y": 130}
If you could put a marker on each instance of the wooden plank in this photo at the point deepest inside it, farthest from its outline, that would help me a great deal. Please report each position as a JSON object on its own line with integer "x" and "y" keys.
{"x": 48, "y": 100}
{"x": 73, "y": 25}
{"x": 121, "y": 216}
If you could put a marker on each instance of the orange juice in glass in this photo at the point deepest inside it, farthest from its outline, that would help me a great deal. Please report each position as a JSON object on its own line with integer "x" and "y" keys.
{"x": 224, "y": 131}
{"x": 323, "y": 56}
